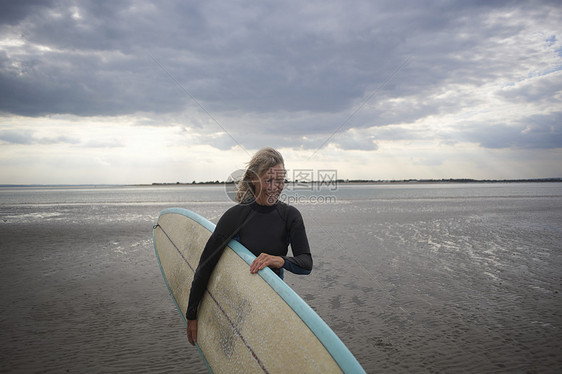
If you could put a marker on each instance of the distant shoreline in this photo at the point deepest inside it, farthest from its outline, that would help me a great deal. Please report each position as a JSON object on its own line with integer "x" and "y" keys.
{"x": 376, "y": 182}
{"x": 312, "y": 183}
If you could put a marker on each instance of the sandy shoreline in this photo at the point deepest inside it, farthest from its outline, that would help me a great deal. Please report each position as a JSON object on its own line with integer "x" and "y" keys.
{"x": 329, "y": 182}
{"x": 96, "y": 306}
{"x": 409, "y": 285}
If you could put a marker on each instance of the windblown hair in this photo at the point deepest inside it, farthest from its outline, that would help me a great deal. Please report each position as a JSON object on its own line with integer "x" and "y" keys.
{"x": 262, "y": 160}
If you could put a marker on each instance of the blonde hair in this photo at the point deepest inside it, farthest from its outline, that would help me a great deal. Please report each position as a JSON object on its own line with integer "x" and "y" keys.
{"x": 262, "y": 160}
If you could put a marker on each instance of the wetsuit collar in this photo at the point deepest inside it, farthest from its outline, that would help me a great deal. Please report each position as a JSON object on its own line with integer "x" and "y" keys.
{"x": 263, "y": 208}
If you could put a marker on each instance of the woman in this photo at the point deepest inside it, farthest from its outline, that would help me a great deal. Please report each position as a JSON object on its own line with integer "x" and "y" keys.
{"x": 262, "y": 223}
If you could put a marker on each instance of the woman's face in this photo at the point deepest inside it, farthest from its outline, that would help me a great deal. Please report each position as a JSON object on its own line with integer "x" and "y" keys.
{"x": 269, "y": 185}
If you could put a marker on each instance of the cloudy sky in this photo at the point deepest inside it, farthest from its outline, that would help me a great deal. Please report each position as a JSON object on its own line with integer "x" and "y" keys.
{"x": 165, "y": 91}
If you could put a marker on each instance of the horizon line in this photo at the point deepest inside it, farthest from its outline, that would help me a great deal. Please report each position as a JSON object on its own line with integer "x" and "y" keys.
{"x": 327, "y": 182}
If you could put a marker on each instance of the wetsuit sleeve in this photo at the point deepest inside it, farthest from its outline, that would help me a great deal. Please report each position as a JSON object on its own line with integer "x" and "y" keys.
{"x": 209, "y": 258}
{"x": 229, "y": 224}
{"x": 301, "y": 262}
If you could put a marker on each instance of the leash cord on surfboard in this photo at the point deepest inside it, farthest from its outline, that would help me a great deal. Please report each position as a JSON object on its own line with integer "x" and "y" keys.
{"x": 175, "y": 246}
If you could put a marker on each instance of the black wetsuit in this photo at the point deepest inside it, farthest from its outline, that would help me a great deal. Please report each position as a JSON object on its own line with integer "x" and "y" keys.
{"x": 261, "y": 229}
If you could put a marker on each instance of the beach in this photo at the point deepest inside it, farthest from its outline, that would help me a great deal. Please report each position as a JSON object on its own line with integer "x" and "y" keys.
{"x": 82, "y": 299}
{"x": 412, "y": 279}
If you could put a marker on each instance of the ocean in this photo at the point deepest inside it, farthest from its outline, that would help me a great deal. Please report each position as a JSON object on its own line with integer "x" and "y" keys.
{"x": 425, "y": 278}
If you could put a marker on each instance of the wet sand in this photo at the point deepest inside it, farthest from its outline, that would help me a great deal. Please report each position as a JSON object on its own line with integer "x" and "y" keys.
{"x": 472, "y": 288}
{"x": 87, "y": 299}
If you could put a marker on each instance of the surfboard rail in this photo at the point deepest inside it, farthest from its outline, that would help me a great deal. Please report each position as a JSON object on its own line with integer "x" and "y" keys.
{"x": 332, "y": 343}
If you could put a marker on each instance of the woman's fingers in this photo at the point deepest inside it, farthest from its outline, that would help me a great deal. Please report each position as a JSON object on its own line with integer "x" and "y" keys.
{"x": 264, "y": 260}
{"x": 192, "y": 331}
{"x": 259, "y": 263}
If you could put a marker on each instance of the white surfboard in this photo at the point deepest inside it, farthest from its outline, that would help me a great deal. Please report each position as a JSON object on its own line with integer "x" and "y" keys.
{"x": 247, "y": 323}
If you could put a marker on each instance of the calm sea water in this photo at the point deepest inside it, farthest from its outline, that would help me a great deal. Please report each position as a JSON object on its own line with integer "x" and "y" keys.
{"x": 413, "y": 278}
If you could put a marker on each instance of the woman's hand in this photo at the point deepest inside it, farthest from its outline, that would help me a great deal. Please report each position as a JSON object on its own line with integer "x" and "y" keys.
{"x": 264, "y": 260}
{"x": 192, "y": 331}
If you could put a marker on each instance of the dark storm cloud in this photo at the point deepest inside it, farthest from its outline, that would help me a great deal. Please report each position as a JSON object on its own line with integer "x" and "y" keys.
{"x": 16, "y": 137}
{"x": 14, "y": 11}
{"x": 260, "y": 57}
{"x": 326, "y": 58}
{"x": 26, "y": 137}
{"x": 534, "y": 132}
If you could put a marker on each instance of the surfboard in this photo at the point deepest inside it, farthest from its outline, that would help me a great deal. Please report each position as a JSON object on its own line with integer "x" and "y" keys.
{"x": 247, "y": 323}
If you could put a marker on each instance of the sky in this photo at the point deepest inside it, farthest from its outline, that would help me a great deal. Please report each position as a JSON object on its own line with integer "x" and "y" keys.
{"x": 127, "y": 92}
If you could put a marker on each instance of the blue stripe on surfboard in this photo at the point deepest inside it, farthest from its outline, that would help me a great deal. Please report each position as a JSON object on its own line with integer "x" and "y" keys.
{"x": 175, "y": 302}
{"x": 341, "y": 354}
{"x": 323, "y": 332}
